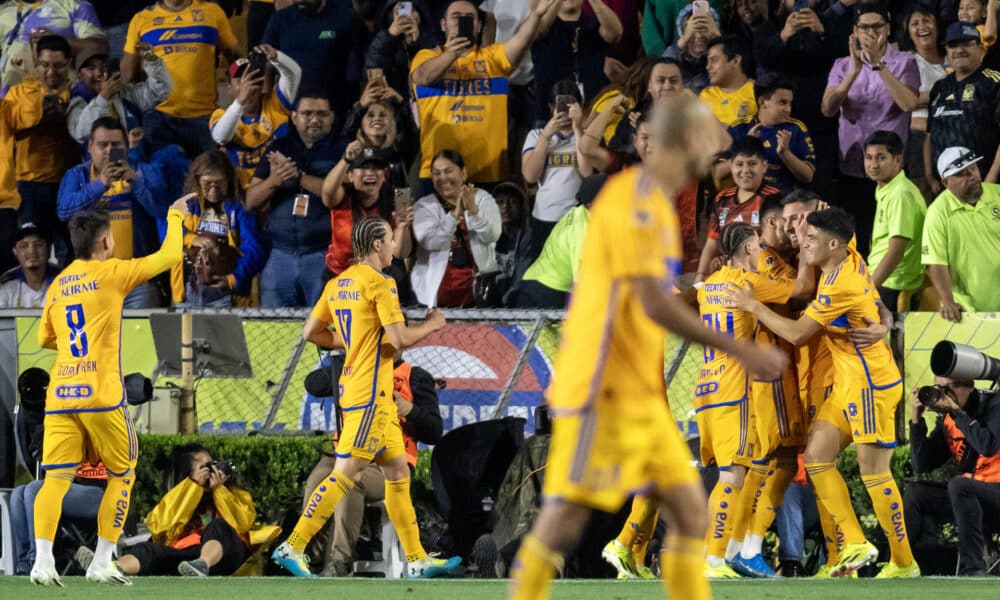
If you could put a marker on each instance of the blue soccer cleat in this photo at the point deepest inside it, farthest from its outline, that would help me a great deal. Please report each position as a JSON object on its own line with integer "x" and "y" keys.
{"x": 752, "y": 567}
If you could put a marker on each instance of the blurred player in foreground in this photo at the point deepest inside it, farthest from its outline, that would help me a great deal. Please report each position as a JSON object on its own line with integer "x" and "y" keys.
{"x": 85, "y": 411}
{"x": 618, "y": 437}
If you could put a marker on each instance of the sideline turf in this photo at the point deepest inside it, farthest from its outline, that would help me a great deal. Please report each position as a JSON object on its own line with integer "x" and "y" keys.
{"x": 287, "y": 588}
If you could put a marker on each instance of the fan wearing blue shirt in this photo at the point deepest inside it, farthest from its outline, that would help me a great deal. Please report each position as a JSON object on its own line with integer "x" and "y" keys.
{"x": 791, "y": 157}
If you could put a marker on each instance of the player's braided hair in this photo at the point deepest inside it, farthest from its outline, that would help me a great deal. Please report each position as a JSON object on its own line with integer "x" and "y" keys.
{"x": 366, "y": 231}
{"x": 732, "y": 238}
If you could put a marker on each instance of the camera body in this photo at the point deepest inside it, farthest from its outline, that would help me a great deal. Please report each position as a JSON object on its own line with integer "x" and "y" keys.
{"x": 928, "y": 395}
{"x": 224, "y": 466}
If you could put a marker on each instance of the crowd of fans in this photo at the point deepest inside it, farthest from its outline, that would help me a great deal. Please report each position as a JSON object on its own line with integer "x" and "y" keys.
{"x": 473, "y": 127}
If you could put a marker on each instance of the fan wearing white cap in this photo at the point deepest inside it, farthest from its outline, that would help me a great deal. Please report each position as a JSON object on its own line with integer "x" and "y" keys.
{"x": 961, "y": 238}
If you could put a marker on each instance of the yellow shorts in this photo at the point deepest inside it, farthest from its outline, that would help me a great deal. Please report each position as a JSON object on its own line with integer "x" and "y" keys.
{"x": 724, "y": 432}
{"x": 371, "y": 432}
{"x": 74, "y": 437}
{"x": 777, "y": 414}
{"x": 600, "y": 457}
{"x": 815, "y": 373}
{"x": 866, "y": 414}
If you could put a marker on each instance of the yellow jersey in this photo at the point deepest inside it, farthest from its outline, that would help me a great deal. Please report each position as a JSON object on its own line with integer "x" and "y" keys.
{"x": 187, "y": 40}
{"x": 117, "y": 200}
{"x": 253, "y": 136}
{"x": 358, "y": 305}
{"x": 731, "y": 107}
{"x": 844, "y": 298}
{"x": 466, "y": 111}
{"x": 82, "y": 320}
{"x": 611, "y": 352}
{"x": 722, "y": 379}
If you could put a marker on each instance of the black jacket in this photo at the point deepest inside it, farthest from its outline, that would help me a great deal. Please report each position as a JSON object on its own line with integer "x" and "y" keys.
{"x": 424, "y": 422}
{"x": 979, "y": 423}
{"x": 393, "y": 55}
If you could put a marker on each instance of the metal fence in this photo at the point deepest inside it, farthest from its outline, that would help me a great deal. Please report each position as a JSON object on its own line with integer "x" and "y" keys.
{"x": 490, "y": 363}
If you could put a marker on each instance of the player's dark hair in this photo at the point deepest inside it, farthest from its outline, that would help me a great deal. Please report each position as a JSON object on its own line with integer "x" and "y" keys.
{"x": 770, "y": 204}
{"x": 733, "y": 46}
{"x": 55, "y": 43}
{"x": 366, "y": 231}
{"x": 85, "y": 228}
{"x": 769, "y": 83}
{"x": 451, "y": 155}
{"x": 834, "y": 221}
{"x": 748, "y": 146}
{"x": 181, "y": 458}
{"x": 889, "y": 139}
{"x": 732, "y": 237}
{"x": 565, "y": 87}
{"x": 808, "y": 197}
{"x": 111, "y": 124}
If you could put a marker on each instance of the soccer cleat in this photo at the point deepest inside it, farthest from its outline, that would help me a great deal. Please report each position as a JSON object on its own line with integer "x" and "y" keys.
{"x": 644, "y": 572}
{"x": 823, "y": 572}
{"x": 720, "y": 572}
{"x": 621, "y": 558}
{"x": 45, "y": 576}
{"x": 892, "y": 571}
{"x": 752, "y": 567}
{"x": 193, "y": 568}
{"x": 296, "y": 563}
{"x": 854, "y": 557}
{"x": 84, "y": 556}
{"x": 107, "y": 573}
{"x": 430, "y": 567}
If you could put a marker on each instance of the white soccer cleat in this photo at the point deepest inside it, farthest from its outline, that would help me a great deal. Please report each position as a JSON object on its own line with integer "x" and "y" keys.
{"x": 108, "y": 573}
{"x": 46, "y": 576}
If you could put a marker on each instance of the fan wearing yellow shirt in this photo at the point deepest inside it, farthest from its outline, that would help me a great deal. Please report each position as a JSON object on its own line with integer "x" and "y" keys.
{"x": 188, "y": 35}
{"x": 85, "y": 416}
{"x": 613, "y": 434}
{"x": 362, "y": 306}
{"x": 731, "y": 94}
{"x": 867, "y": 387}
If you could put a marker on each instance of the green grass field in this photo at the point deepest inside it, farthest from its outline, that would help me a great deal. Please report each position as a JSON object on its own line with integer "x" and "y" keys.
{"x": 374, "y": 589}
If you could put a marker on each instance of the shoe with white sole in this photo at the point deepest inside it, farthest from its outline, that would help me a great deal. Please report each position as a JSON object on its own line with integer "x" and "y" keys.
{"x": 108, "y": 573}
{"x": 430, "y": 567}
{"x": 46, "y": 576}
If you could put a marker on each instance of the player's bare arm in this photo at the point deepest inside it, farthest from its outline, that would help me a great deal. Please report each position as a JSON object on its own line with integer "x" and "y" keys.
{"x": 402, "y": 336}
{"x": 797, "y": 331}
{"x": 319, "y": 333}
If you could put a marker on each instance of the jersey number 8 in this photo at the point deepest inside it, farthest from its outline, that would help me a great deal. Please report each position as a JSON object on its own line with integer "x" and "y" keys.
{"x": 75, "y": 320}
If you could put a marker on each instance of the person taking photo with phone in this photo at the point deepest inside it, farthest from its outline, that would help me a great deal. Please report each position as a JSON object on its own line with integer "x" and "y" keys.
{"x": 120, "y": 181}
{"x": 407, "y": 28}
{"x": 383, "y": 121}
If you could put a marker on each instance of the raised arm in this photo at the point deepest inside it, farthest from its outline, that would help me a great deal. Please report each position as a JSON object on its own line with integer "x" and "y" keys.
{"x": 611, "y": 26}
{"x": 520, "y": 44}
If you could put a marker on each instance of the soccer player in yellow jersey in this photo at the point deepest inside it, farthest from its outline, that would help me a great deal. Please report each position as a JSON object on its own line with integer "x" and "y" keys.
{"x": 362, "y": 307}
{"x": 867, "y": 387}
{"x": 85, "y": 412}
{"x": 722, "y": 391}
{"x": 613, "y": 434}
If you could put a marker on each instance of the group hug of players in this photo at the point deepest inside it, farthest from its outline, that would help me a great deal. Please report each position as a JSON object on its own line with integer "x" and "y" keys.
{"x": 796, "y": 283}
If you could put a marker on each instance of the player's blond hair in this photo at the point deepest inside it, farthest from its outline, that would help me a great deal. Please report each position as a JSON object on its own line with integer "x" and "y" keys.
{"x": 674, "y": 117}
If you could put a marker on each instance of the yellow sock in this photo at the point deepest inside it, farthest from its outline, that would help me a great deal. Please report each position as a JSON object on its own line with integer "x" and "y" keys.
{"x": 722, "y": 505}
{"x": 682, "y": 568}
{"x": 48, "y": 502}
{"x": 113, "y": 511}
{"x": 399, "y": 505}
{"x": 888, "y": 505}
{"x": 832, "y": 535}
{"x": 832, "y": 491}
{"x": 533, "y": 569}
{"x": 319, "y": 509}
{"x": 643, "y": 512}
{"x": 641, "y": 545}
{"x": 742, "y": 516}
{"x": 769, "y": 499}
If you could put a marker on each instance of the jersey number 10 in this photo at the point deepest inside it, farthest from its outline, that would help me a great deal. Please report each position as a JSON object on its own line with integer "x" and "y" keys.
{"x": 715, "y": 322}
{"x": 77, "y": 336}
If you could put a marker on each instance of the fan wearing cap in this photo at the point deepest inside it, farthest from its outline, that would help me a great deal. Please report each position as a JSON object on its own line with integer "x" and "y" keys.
{"x": 961, "y": 238}
{"x": 101, "y": 92}
{"x": 24, "y": 286}
{"x": 258, "y": 114}
{"x": 964, "y": 107}
{"x": 356, "y": 187}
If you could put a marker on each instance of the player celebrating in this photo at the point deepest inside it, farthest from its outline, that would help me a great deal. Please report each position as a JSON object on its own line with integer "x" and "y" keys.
{"x": 867, "y": 387}
{"x": 362, "y": 305}
{"x": 618, "y": 435}
{"x": 722, "y": 390}
{"x": 85, "y": 413}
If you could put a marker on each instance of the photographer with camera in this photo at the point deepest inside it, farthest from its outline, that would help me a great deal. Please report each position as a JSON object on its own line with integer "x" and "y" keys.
{"x": 200, "y": 527}
{"x": 968, "y": 430}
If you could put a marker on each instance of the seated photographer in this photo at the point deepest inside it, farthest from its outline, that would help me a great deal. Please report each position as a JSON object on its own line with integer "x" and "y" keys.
{"x": 201, "y": 526}
{"x": 420, "y": 417}
{"x": 968, "y": 430}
